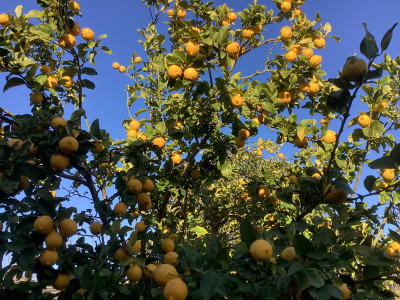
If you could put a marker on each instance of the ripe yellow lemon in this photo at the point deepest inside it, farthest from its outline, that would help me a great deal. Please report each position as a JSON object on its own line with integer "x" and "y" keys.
{"x": 159, "y": 142}
{"x": 87, "y": 34}
{"x": 48, "y": 257}
{"x": 190, "y": 74}
{"x": 140, "y": 227}
{"x": 120, "y": 209}
{"x": 167, "y": 245}
{"x": 176, "y": 158}
{"x": 149, "y": 270}
{"x": 181, "y": 13}
{"x": 304, "y": 87}
{"x": 59, "y": 162}
{"x": 354, "y": 69}
{"x": 192, "y": 48}
{"x": 336, "y": 196}
{"x": 131, "y": 133}
{"x": 296, "y": 48}
{"x": 67, "y": 41}
{"x": 68, "y": 144}
{"x": 233, "y": 49}
{"x": 388, "y": 174}
{"x": 244, "y": 133}
{"x": 58, "y": 121}
{"x": 74, "y": 6}
{"x": 121, "y": 254}
{"x": 134, "y": 273}
{"x": 286, "y": 33}
{"x": 147, "y": 185}
{"x": 45, "y": 69}
{"x": 4, "y": 20}
{"x": 248, "y": 33}
{"x": 315, "y": 60}
{"x": 171, "y": 258}
{"x": 134, "y": 186}
{"x": 43, "y": 225}
{"x": 264, "y": 192}
{"x": 298, "y": 12}
{"x": 75, "y": 30}
{"x": 308, "y": 52}
{"x": 15, "y": 143}
{"x": 138, "y": 59}
{"x": 257, "y": 28}
{"x": 364, "y": 121}
{"x": 174, "y": 72}
{"x": 62, "y": 281}
{"x": 280, "y": 155}
{"x": 301, "y": 143}
{"x": 144, "y": 201}
{"x": 67, "y": 81}
{"x": 390, "y": 252}
{"x": 329, "y": 137}
{"x": 36, "y": 98}
{"x": 175, "y": 289}
{"x": 122, "y": 69}
{"x": 240, "y": 142}
{"x": 237, "y": 100}
{"x": 232, "y": 17}
{"x": 170, "y": 13}
{"x": 134, "y": 125}
{"x": 314, "y": 88}
{"x": 319, "y": 42}
{"x": 95, "y": 228}
{"x": 53, "y": 240}
{"x": 289, "y": 254}
{"x": 395, "y": 246}
{"x": 98, "y": 147}
{"x": 325, "y": 121}
{"x": 286, "y": 6}
{"x": 165, "y": 273}
{"x": 115, "y": 65}
{"x": 51, "y": 82}
{"x": 378, "y": 108}
{"x": 261, "y": 250}
{"x": 67, "y": 227}
{"x": 290, "y": 56}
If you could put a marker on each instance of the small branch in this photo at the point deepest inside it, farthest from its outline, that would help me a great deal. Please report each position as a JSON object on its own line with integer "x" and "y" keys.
{"x": 382, "y": 226}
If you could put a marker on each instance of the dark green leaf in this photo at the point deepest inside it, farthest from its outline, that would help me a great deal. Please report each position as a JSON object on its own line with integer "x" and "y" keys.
{"x": 13, "y": 81}
{"x": 95, "y": 129}
{"x": 394, "y": 236}
{"x": 377, "y": 73}
{"x": 209, "y": 283}
{"x": 106, "y": 50}
{"x": 314, "y": 277}
{"x": 88, "y": 84}
{"x": 370, "y": 271}
{"x": 382, "y": 163}
{"x": 369, "y": 183}
{"x": 387, "y": 38}
{"x": 295, "y": 267}
{"x": 395, "y": 154}
{"x": 368, "y": 46}
{"x": 89, "y": 71}
{"x": 302, "y": 246}
{"x": 342, "y": 83}
{"x": 247, "y": 233}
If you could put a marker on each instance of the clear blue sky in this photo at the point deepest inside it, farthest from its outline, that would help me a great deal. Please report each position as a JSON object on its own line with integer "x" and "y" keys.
{"x": 120, "y": 19}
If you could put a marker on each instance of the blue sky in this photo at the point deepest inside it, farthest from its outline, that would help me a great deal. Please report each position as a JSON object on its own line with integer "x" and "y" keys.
{"x": 120, "y": 19}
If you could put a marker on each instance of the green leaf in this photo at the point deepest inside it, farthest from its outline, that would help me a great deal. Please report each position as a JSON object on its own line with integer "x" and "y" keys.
{"x": 387, "y": 38}
{"x": 18, "y": 10}
{"x": 369, "y": 183}
{"x": 89, "y": 71}
{"x": 88, "y": 84}
{"x": 375, "y": 130}
{"x": 368, "y": 45}
{"x": 191, "y": 254}
{"x": 34, "y": 14}
{"x": 199, "y": 230}
{"x": 382, "y": 163}
{"x": 12, "y": 82}
{"x": 314, "y": 277}
{"x": 377, "y": 73}
{"x": 302, "y": 246}
{"x": 209, "y": 283}
{"x": 247, "y": 233}
{"x": 295, "y": 267}
{"x": 394, "y": 236}
{"x": 77, "y": 114}
{"x": 223, "y": 34}
{"x": 95, "y": 129}
{"x": 106, "y": 50}
{"x": 226, "y": 169}
{"x": 395, "y": 154}
{"x": 161, "y": 127}
{"x": 43, "y": 30}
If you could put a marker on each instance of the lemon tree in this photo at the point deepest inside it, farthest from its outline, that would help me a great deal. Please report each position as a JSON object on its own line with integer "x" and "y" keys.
{"x": 196, "y": 203}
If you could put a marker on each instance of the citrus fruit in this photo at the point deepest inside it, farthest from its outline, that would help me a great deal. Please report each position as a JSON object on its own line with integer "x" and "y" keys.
{"x": 134, "y": 125}
{"x": 175, "y": 289}
{"x": 345, "y": 291}
{"x": 261, "y": 250}
{"x": 170, "y": 13}
{"x": 336, "y": 196}
{"x": 174, "y": 72}
{"x": 171, "y": 258}
{"x": 67, "y": 41}
{"x": 144, "y": 201}
{"x": 378, "y": 108}
{"x": 257, "y": 28}
{"x": 181, "y": 13}
{"x": 176, "y": 158}
{"x": 75, "y": 30}
{"x": 51, "y": 82}
{"x": 36, "y": 98}
{"x": 140, "y": 227}
{"x": 364, "y": 121}
{"x": 289, "y": 254}
{"x": 240, "y": 142}
{"x": 263, "y": 192}
{"x": 315, "y": 60}
{"x": 237, "y": 100}
{"x": 98, "y": 147}
{"x": 4, "y": 20}
{"x": 192, "y": 48}
{"x": 68, "y": 144}
{"x": 122, "y": 69}
{"x": 298, "y": 12}
{"x": 390, "y": 252}
{"x": 232, "y": 17}
{"x": 395, "y": 246}
{"x": 134, "y": 273}
{"x": 233, "y": 49}
{"x": 319, "y": 42}
{"x": 164, "y": 273}
{"x": 354, "y": 69}
{"x": 120, "y": 209}
{"x": 115, "y": 65}
{"x": 280, "y": 155}
{"x": 308, "y": 52}
{"x": 290, "y": 56}
{"x": 286, "y": 6}
{"x": 87, "y": 34}
{"x": 304, "y": 87}
{"x": 147, "y": 185}
{"x": 43, "y": 225}
{"x": 48, "y": 257}
{"x": 74, "y": 6}
{"x": 286, "y": 33}
{"x": 325, "y": 121}
{"x": 301, "y": 143}
{"x": 285, "y": 97}
{"x": 296, "y": 48}
{"x": 159, "y": 142}
{"x": 248, "y": 33}
{"x": 133, "y": 186}
{"x": 388, "y": 174}
{"x": 138, "y": 59}
{"x": 149, "y": 270}
{"x": 67, "y": 81}
{"x": 95, "y": 228}
{"x": 121, "y": 254}
{"x": 45, "y": 69}
{"x": 59, "y": 162}
{"x": 67, "y": 227}
{"x": 58, "y": 121}
{"x": 195, "y": 174}
{"x": 190, "y": 74}
{"x": 62, "y": 281}
{"x": 167, "y": 245}
{"x": 15, "y": 143}
{"x": 329, "y": 137}
{"x": 53, "y": 240}
{"x": 314, "y": 88}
